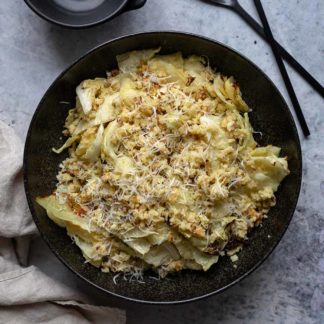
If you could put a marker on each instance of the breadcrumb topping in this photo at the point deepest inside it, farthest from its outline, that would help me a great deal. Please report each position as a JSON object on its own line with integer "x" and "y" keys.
{"x": 162, "y": 168}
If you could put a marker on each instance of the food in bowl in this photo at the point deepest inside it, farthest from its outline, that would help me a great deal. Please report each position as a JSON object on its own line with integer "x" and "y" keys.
{"x": 163, "y": 171}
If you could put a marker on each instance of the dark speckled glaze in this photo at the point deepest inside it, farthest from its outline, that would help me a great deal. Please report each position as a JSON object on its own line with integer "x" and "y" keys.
{"x": 270, "y": 115}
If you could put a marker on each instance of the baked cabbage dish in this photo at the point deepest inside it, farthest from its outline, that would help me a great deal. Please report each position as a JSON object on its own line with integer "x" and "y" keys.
{"x": 163, "y": 172}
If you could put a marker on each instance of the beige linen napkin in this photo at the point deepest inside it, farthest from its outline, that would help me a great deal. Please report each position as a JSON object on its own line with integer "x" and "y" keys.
{"x": 27, "y": 295}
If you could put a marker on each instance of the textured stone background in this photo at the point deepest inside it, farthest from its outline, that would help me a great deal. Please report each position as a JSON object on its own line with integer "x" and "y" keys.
{"x": 289, "y": 286}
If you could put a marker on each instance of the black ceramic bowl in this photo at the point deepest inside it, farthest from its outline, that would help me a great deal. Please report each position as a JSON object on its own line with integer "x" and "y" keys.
{"x": 81, "y": 13}
{"x": 270, "y": 115}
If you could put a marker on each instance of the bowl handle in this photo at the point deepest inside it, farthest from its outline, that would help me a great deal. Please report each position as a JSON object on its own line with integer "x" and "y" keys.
{"x": 134, "y": 4}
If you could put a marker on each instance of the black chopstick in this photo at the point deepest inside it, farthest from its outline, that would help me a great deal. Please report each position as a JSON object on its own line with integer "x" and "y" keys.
{"x": 282, "y": 67}
{"x": 286, "y": 55}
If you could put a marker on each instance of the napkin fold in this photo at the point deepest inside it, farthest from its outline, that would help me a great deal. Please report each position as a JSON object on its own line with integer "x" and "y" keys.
{"x": 27, "y": 295}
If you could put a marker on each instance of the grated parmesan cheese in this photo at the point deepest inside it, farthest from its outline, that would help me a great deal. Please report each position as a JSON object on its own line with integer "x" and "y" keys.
{"x": 162, "y": 173}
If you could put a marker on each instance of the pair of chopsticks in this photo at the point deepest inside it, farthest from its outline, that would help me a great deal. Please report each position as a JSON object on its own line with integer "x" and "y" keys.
{"x": 276, "y": 52}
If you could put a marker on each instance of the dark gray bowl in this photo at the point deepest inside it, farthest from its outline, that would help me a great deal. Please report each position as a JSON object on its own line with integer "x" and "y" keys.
{"x": 270, "y": 115}
{"x": 81, "y": 14}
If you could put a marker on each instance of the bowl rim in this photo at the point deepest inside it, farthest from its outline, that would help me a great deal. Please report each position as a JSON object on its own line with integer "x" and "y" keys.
{"x": 191, "y": 299}
{"x": 35, "y": 9}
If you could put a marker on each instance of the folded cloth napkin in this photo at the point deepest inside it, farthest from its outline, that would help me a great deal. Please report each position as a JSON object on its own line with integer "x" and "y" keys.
{"x": 27, "y": 295}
